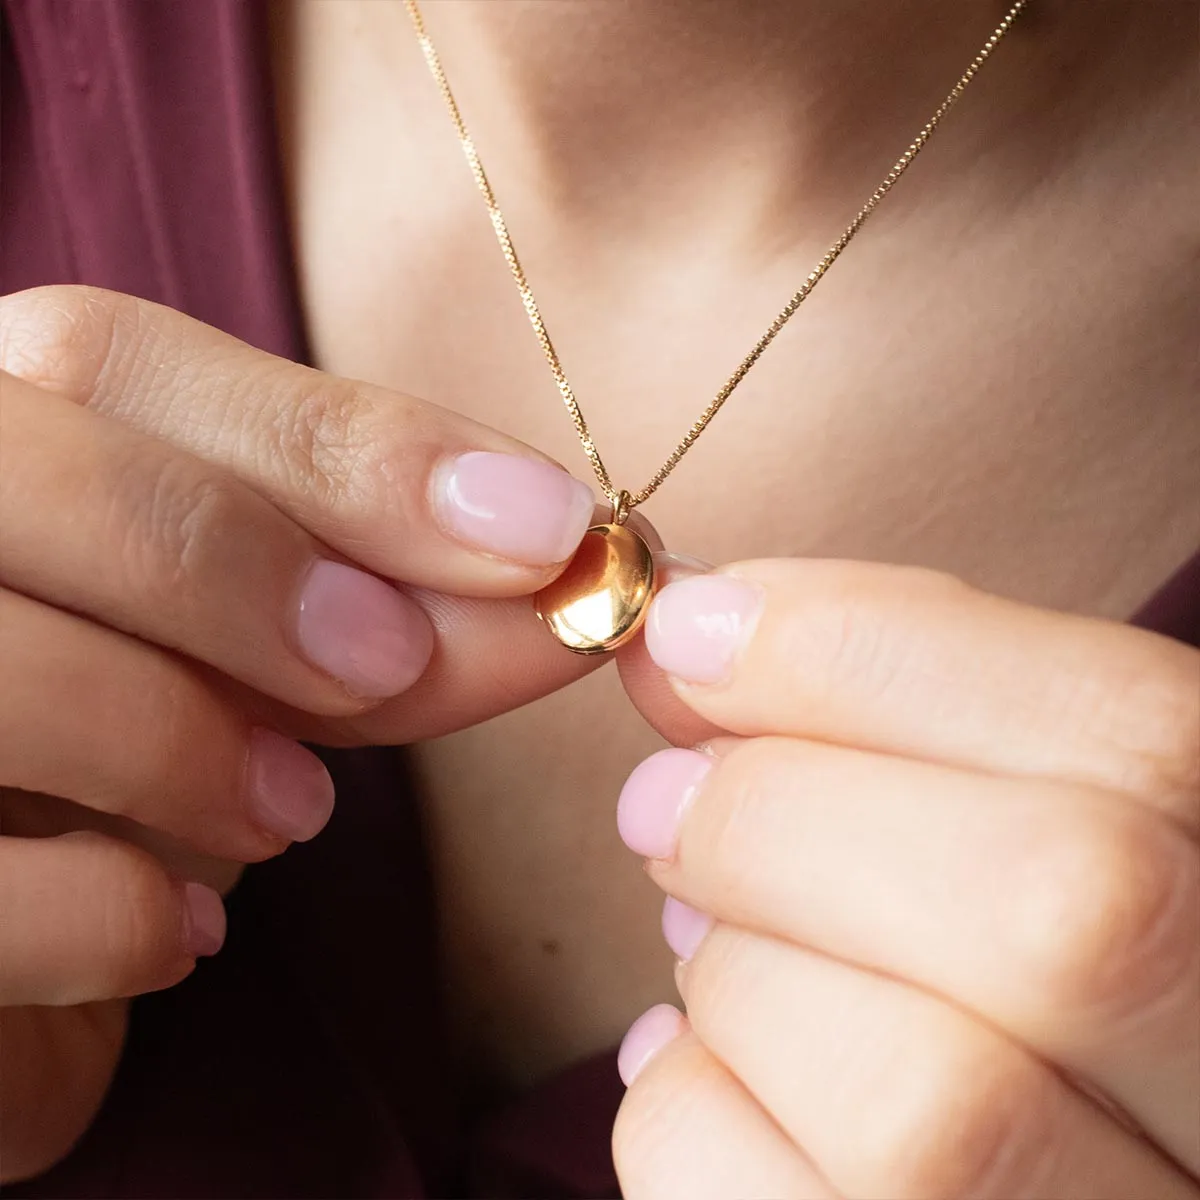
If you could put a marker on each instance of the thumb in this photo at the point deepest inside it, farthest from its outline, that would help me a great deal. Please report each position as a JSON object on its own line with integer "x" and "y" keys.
{"x": 646, "y": 683}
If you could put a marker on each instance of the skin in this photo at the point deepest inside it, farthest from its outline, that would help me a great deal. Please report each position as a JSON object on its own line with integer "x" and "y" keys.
{"x": 938, "y": 962}
{"x": 1075, "y": 186}
{"x": 174, "y": 489}
{"x": 952, "y": 395}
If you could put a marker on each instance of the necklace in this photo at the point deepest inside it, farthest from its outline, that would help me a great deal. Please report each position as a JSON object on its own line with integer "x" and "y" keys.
{"x": 599, "y": 601}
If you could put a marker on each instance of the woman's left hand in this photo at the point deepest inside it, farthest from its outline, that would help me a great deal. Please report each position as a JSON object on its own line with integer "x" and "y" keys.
{"x": 935, "y": 892}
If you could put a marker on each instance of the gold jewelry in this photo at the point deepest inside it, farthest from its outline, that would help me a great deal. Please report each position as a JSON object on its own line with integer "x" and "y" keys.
{"x": 599, "y": 601}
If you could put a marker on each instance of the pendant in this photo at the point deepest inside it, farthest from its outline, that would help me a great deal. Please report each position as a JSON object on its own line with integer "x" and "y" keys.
{"x": 600, "y": 601}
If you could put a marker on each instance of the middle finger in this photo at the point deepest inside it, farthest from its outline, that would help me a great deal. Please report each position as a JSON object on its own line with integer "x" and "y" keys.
{"x": 168, "y": 548}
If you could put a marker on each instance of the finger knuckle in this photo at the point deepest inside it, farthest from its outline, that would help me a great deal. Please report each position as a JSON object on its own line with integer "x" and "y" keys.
{"x": 47, "y": 334}
{"x": 731, "y": 820}
{"x": 334, "y": 444}
{"x": 174, "y": 711}
{"x": 967, "y": 1119}
{"x": 644, "y": 1123}
{"x": 170, "y": 708}
{"x": 1159, "y": 730}
{"x": 859, "y": 637}
{"x": 1106, "y": 917}
{"x": 133, "y": 924}
{"x": 139, "y": 919}
{"x": 655, "y": 1116}
{"x": 172, "y": 517}
{"x": 63, "y": 337}
{"x": 316, "y": 436}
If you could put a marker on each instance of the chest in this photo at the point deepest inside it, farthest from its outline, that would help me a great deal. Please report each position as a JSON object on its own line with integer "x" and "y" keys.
{"x": 998, "y": 379}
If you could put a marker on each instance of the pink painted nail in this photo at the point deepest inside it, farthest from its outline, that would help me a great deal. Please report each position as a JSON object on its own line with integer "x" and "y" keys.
{"x": 288, "y": 790}
{"x": 696, "y": 626}
{"x": 203, "y": 920}
{"x": 362, "y": 631}
{"x": 513, "y": 507}
{"x": 655, "y": 797}
{"x": 646, "y": 1037}
{"x": 670, "y": 567}
{"x": 684, "y": 927}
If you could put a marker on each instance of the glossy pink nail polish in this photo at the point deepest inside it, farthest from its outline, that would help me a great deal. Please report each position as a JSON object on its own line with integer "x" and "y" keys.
{"x": 654, "y": 1029}
{"x": 655, "y": 797}
{"x": 288, "y": 790}
{"x": 203, "y": 920}
{"x": 513, "y": 507}
{"x": 684, "y": 927}
{"x": 696, "y": 626}
{"x": 362, "y": 631}
{"x": 670, "y": 567}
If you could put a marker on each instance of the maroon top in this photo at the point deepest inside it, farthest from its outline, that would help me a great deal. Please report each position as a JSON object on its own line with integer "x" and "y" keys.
{"x": 307, "y": 1058}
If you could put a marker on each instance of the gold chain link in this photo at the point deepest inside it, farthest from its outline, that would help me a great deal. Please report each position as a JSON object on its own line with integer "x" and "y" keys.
{"x": 615, "y": 495}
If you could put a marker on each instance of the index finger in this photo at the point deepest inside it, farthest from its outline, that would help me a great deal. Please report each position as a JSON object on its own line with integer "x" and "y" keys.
{"x": 916, "y": 663}
{"x": 409, "y": 490}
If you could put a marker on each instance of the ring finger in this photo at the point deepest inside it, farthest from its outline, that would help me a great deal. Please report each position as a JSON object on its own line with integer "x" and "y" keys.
{"x": 894, "y": 1093}
{"x": 122, "y": 727}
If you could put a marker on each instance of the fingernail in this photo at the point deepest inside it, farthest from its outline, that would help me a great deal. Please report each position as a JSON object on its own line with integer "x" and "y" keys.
{"x": 671, "y": 567}
{"x": 684, "y": 927}
{"x": 513, "y": 507}
{"x": 362, "y": 631}
{"x": 655, "y": 797}
{"x": 288, "y": 789}
{"x": 203, "y": 920}
{"x": 646, "y": 1037}
{"x": 696, "y": 626}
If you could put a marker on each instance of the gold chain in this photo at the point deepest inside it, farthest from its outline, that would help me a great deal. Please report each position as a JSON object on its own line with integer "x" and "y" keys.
{"x": 623, "y": 501}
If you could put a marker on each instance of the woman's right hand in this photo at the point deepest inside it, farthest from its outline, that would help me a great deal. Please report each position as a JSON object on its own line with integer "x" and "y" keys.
{"x": 195, "y": 544}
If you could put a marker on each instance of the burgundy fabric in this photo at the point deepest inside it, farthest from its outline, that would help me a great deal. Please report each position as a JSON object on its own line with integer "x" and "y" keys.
{"x": 307, "y": 1059}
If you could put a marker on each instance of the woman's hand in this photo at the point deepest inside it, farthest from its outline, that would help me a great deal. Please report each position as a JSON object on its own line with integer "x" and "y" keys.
{"x": 198, "y": 544}
{"x": 935, "y": 895}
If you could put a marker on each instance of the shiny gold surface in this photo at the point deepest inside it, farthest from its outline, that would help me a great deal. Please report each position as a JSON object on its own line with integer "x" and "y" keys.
{"x": 600, "y": 600}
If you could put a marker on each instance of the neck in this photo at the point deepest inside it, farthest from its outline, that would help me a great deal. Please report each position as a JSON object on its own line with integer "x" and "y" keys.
{"x": 608, "y": 110}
